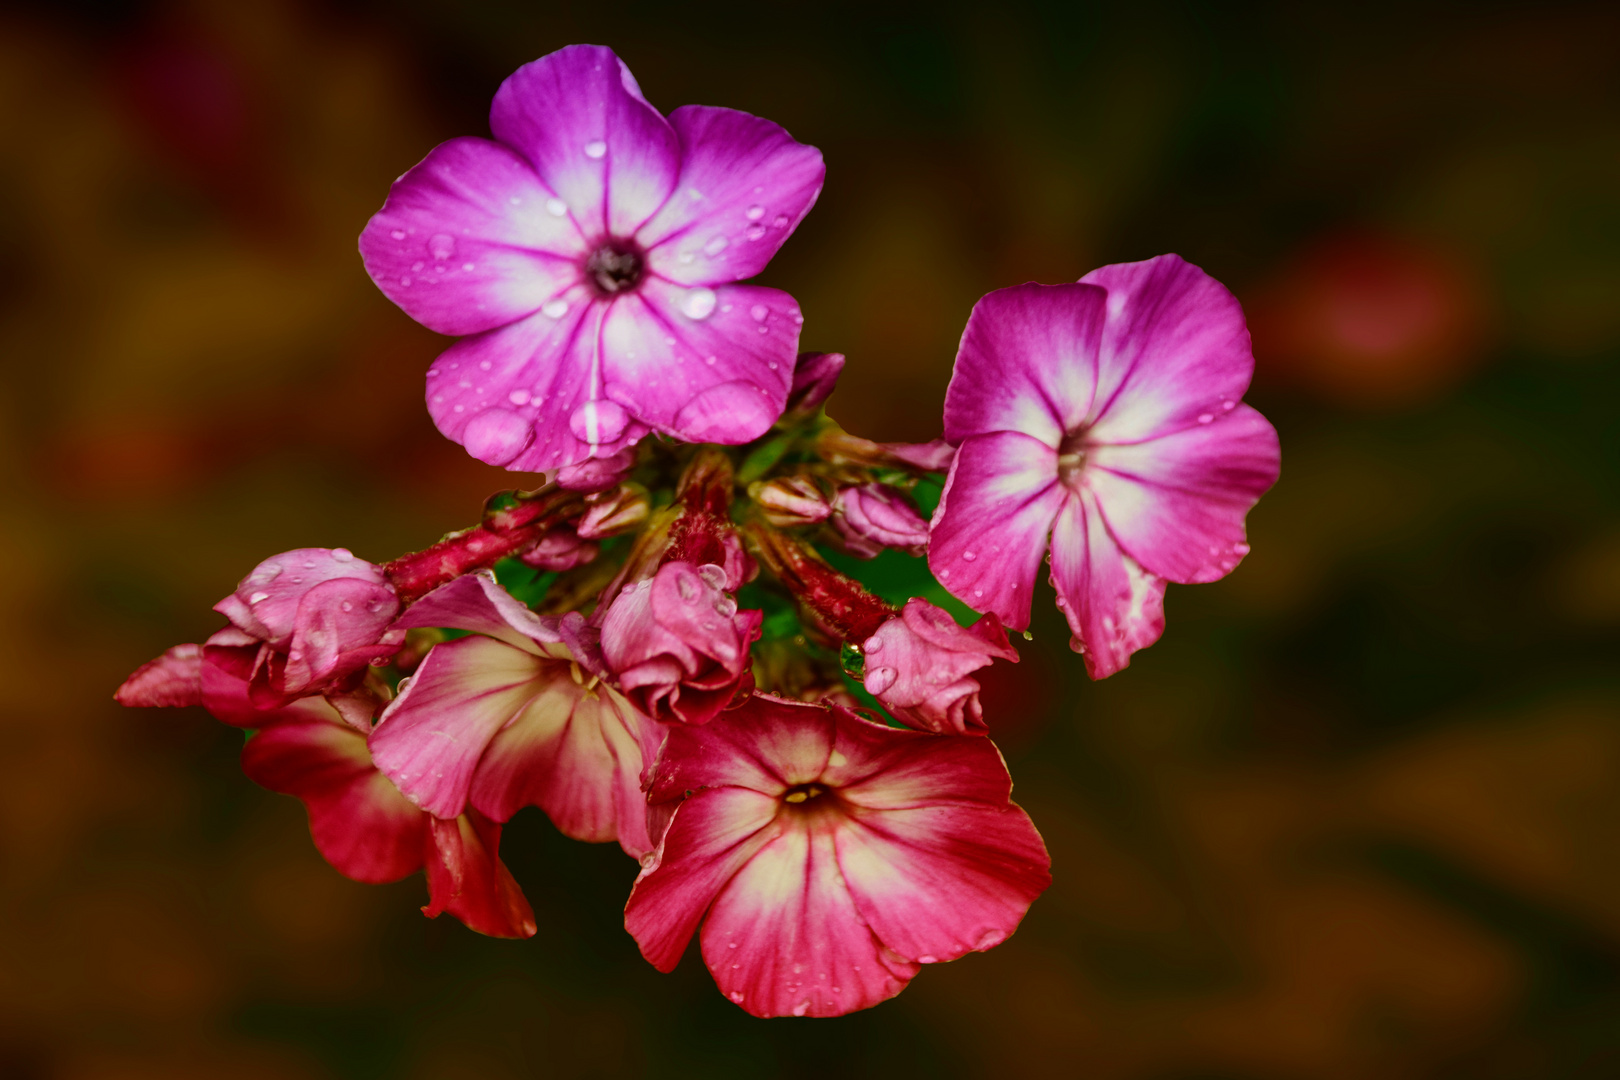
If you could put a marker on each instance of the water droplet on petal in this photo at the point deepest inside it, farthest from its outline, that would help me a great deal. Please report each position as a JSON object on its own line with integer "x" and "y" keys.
{"x": 346, "y": 606}
{"x": 496, "y": 436}
{"x": 595, "y": 148}
{"x": 258, "y": 598}
{"x": 730, "y": 413}
{"x": 687, "y": 588}
{"x": 556, "y": 307}
{"x": 598, "y": 422}
{"x": 759, "y": 312}
{"x": 736, "y": 995}
{"x": 715, "y": 246}
{"x": 556, "y": 207}
{"x": 441, "y": 246}
{"x": 398, "y": 234}
{"x": 780, "y": 221}
{"x": 756, "y": 212}
{"x": 518, "y": 397}
{"x": 969, "y": 556}
{"x": 756, "y": 232}
{"x": 1204, "y": 418}
{"x": 698, "y": 303}
{"x": 467, "y": 267}
{"x": 880, "y": 679}
{"x": 801, "y": 1008}
{"x": 404, "y": 281}
{"x": 927, "y": 959}
{"x": 342, "y": 554}
{"x": 1240, "y": 549}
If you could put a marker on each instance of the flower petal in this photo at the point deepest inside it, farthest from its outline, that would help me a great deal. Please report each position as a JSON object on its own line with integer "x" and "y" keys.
{"x": 467, "y": 878}
{"x": 766, "y": 744}
{"x": 744, "y": 187}
{"x": 1177, "y": 503}
{"x": 360, "y": 822}
{"x": 465, "y": 241}
{"x": 712, "y": 835}
{"x": 1175, "y": 348}
{"x": 989, "y": 530}
{"x": 527, "y": 396}
{"x": 570, "y": 752}
{"x": 476, "y": 602}
{"x": 172, "y": 681}
{"x": 1114, "y": 607}
{"x": 784, "y": 937}
{"x": 430, "y": 738}
{"x": 1028, "y": 363}
{"x": 703, "y": 365}
{"x": 579, "y": 117}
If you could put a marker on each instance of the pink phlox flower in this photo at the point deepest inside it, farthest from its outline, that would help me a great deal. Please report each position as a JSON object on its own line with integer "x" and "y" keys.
{"x": 591, "y": 253}
{"x": 315, "y": 616}
{"x": 172, "y": 681}
{"x": 1106, "y": 415}
{"x": 919, "y": 665}
{"x": 871, "y": 517}
{"x": 826, "y": 857}
{"x": 677, "y": 645}
{"x": 515, "y": 715}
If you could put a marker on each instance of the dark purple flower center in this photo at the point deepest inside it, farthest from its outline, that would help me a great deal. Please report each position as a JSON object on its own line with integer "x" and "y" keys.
{"x": 1072, "y": 459}
{"x": 615, "y": 267}
{"x": 799, "y": 794}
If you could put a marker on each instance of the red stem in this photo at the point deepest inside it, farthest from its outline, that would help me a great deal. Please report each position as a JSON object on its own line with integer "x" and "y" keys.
{"x": 840, "y": 604}
{"x": 502, "y": 533}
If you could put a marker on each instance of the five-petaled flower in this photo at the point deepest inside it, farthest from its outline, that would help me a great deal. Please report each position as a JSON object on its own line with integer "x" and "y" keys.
{"x": 1106, "y": 414}
{"x": 591, "y": 253}
{"x": 515, "y": 715}
{"x": 826, "y": 857}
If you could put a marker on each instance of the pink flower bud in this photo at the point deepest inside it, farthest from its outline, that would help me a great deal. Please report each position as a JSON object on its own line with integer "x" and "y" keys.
{"x": 918, "y": 665}
{"x": 611, "y": 513}
{"x": 597, "y": 473}
{"x": 876, "y": 516}
{"x": 790, "y": 501}
{"x": 560, "y": 549}
{"x": 814, "y": 377}
{"x": 324, "y": 613}
{"x": 676, "y": 643}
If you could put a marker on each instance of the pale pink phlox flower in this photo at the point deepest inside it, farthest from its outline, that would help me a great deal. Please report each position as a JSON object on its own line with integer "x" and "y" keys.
{"x": 591, "y": 253}
{"x": 514, "y": 715}
{"x": 1107, "y": 415}
{"x": 359, "y": 821}
{"x": 314, "y": 616}
{"x": 677, "y": 645}
{"x": 919, "y": 665}
{"x": 872, "y": 517}
{"x": 826, "y": 857}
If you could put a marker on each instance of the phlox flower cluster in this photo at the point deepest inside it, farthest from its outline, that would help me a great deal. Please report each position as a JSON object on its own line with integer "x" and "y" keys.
{"x": 652, "y": 647}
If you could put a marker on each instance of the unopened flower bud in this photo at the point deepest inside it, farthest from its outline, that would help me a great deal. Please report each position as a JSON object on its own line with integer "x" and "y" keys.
{"x": 790, "y": 501}
{"x": 597, "y": 474}
{"x": 919, "y": 665}
{"x": 872, "y": 517}
{"x": 611, "y": 513}
{"x": 560, "y": 549}
{"x": 814, "y": 377}
{"x": 676, "y": 643}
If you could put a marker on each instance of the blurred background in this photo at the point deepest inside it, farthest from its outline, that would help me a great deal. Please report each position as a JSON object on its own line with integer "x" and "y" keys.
{"x": 1357, "y": 815}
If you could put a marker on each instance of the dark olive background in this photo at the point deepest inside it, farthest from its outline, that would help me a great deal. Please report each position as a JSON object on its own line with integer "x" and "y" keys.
{"x": 1357, "y": 815}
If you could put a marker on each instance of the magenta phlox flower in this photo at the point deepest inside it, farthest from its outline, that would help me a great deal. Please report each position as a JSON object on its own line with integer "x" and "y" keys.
{"x": 919, "y": 665}
{"x": 871, "y": 517}
{"x": 315, "y": 617}
{"x": 676, "y": 644}
{"x": 826, "y": 857}
{"x": 1107, "y": 415}
{"x": 514, "y": 715}
{"x": 591, "y": 254}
